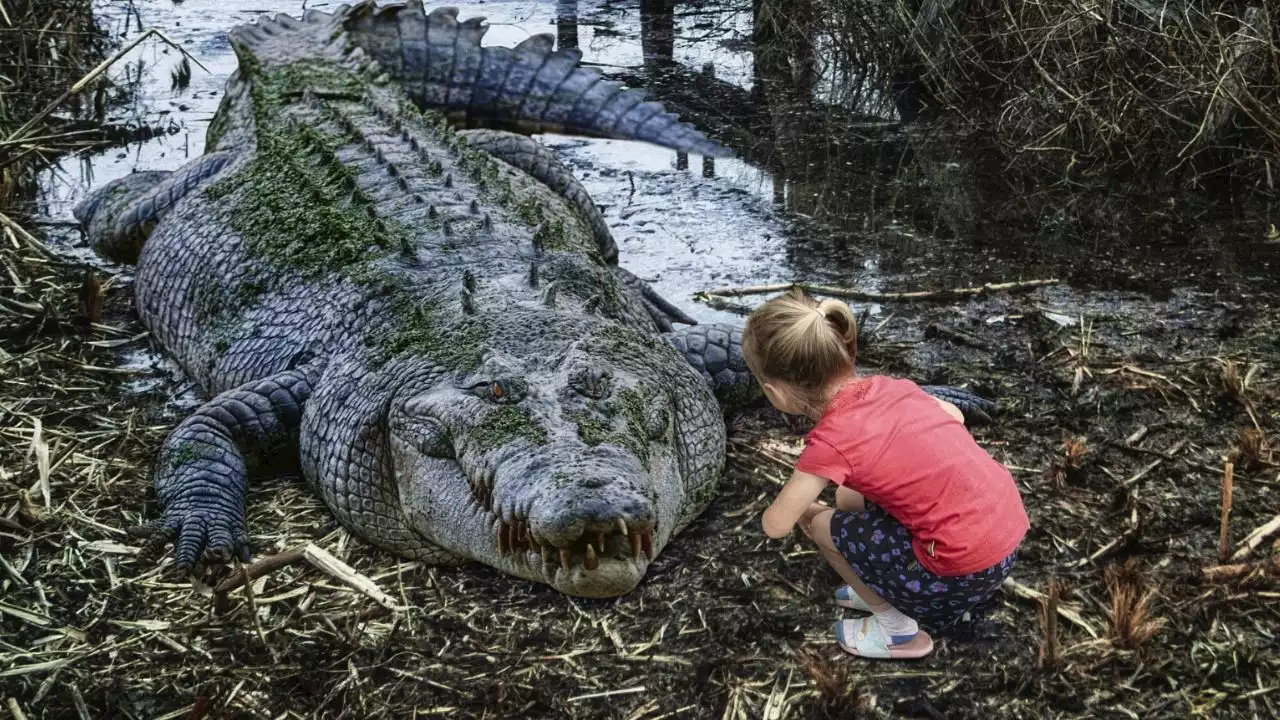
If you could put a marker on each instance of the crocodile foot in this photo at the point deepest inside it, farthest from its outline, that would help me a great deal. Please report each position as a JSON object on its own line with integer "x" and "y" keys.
{"x": 976, "y": 410}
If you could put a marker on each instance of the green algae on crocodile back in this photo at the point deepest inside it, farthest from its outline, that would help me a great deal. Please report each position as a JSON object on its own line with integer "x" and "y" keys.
{"x": 433, "y": 321}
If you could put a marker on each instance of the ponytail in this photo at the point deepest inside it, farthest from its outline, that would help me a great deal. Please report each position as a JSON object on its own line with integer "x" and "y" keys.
{"x": 801, "y": 342}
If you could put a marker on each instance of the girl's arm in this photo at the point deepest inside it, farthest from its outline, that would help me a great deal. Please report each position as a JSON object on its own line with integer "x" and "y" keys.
{"x": 792, "y": 503}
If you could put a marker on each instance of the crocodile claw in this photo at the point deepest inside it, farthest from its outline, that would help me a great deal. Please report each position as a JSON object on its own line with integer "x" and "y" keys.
{"x": 976, "y": 410}
{"x": 659, "y": 308}
{"x": 200, "y": 539}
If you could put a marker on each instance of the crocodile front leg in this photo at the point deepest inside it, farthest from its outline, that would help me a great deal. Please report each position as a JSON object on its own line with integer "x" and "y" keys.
{"x": 201, "y": 474}
{"x": 716, "y": 351}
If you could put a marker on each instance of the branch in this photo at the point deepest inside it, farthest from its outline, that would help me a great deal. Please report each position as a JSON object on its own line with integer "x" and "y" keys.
{"x": 869, "y": 296}
{"x": 93, "y": 75}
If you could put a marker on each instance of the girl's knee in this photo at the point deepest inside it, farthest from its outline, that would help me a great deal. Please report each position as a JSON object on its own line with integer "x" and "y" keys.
{"x": 820, "y": 529}
{"x": 850, "y": 500}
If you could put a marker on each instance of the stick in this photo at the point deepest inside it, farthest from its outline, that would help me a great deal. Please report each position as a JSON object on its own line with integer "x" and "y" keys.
{"x": 1072, "y": 615}
{"x": 15, "y": 710}
{"x": 93, "y": 75}
{"x": 1223, "y": 573}
{"x": 866, "y": 295}
{"x": 319, "y": 558}
{"x": 322, "y": 560}
{"x": 1224, "y": 538}
{"x": 264, "y": 566}
{"x": 1257, "y": 537}
{"x": 27, "y": 237}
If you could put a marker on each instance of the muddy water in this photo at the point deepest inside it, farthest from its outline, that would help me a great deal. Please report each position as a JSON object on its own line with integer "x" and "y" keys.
{"x": 818, "y": 194}
{"x": 675, "y": 226}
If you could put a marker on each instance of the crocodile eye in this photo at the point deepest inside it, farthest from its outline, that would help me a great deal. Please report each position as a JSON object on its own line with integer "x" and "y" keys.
{"x": 591, "y": 381}
{"x": 504, "y": 391}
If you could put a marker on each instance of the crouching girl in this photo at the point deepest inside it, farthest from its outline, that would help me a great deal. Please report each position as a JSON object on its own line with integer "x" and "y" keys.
{"x": 926, "y": 523}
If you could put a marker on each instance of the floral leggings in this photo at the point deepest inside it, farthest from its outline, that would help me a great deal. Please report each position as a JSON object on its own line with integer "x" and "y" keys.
{"x": 879, "y": 549}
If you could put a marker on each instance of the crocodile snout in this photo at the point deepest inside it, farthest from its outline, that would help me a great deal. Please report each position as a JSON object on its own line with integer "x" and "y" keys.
{"x": 589, "y": 531}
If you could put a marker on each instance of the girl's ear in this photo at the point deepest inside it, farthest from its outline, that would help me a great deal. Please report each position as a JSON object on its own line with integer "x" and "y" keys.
{"x": 779, "y": 398}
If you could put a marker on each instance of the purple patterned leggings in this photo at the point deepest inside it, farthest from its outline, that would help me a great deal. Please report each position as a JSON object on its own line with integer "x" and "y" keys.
{"x": 879, "y": 549}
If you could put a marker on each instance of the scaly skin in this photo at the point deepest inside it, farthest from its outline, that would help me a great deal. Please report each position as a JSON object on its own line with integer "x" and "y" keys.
{"x": 444, "y": 338}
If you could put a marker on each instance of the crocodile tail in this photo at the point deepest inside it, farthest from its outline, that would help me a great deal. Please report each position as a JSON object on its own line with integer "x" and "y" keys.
{"x": 531, "y": 88}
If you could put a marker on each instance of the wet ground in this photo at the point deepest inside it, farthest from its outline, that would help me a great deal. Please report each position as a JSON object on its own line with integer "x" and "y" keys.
{"x": 1141, "y": 354}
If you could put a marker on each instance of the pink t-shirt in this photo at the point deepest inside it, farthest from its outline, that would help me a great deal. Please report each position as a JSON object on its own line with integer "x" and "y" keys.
{"x": 893, "y": 443}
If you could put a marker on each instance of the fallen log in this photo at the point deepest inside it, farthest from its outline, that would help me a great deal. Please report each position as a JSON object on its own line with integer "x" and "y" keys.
{"x": 871, "y": 296}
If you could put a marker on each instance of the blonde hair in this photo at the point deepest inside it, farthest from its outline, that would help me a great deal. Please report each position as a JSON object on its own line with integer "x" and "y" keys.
{"x": 801, "y": 342}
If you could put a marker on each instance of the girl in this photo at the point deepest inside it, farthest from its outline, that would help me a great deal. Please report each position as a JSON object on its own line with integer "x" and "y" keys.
{"x": 926, "y": 523}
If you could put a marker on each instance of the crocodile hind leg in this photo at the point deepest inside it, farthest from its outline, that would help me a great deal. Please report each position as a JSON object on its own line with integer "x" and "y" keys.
{"x": 118, "y": 217}
{"x": 201, "y": 473}
{"x": 715, "y": 350}
{"x": 531, "y": 156}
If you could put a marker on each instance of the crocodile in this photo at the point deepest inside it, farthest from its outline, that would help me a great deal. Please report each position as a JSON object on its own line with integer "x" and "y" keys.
{"x": 375, "y": 272}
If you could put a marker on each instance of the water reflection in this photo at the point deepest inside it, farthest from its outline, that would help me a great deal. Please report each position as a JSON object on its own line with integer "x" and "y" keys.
{"x": 931, "y": 204}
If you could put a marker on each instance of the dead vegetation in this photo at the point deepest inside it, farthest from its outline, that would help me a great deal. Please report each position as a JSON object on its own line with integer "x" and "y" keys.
{"x": 1181, "y": 94}
{"x": 1132, "y": 622}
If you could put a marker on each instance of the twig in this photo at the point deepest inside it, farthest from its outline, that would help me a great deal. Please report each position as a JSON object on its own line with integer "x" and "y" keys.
{"x": 322, "y": 560}
{"x": 1223, "y": 573}
{"x": 93, "y": 75}
{"x": 1154, "y": 464}
{"x": 1257, "y": 537}
{"x": 1224, "y": 538}
{"x": 1071, "y": 614}
{"x": 850, "y": 294}
{"x": 253, "y": 605}
{"x": 264, "y": 566}
{"x": 27, "y": 237}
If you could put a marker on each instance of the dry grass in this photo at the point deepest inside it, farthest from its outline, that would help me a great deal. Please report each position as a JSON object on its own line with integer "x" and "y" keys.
{"x": 1132, "y": 622}
{"x": 1070, "y": 464}
{"x": 1166, "y": 93}
{"x": 45, "y": 47}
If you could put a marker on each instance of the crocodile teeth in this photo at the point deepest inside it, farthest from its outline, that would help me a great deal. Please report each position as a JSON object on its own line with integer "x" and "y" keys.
{"x": 635, "y": 546}
{"x": 647, "y": 541}
{"x": 546, "y": 554}
{"x": 564, "y": 559}
{"x": 592, "y": 562}
{"x": 599, "y": 542}
{"x": 622, "y": 527}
